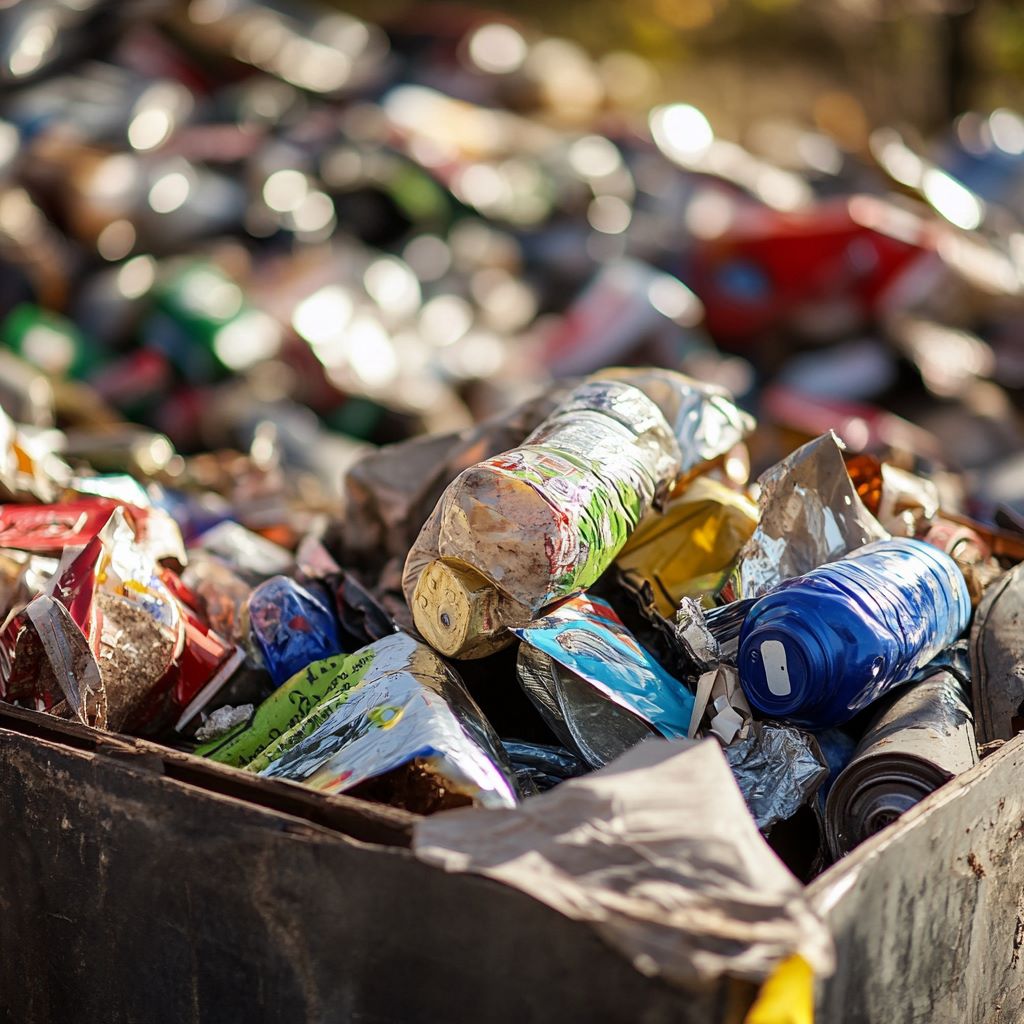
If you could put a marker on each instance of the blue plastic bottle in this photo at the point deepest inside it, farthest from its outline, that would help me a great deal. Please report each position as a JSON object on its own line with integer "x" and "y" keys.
{"x": 822, "y": 646}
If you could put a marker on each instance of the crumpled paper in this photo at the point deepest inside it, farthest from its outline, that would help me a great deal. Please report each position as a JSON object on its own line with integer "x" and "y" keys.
{"x": 720, "y": 704}
{"x": 778, "y": 769}
{"x": 658, "y": 853}
{"x": 810, "y": 514}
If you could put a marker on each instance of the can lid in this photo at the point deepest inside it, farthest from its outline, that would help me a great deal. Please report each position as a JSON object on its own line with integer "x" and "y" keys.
{"x": 784, "y": 669}
{"x": 873, "y": 791}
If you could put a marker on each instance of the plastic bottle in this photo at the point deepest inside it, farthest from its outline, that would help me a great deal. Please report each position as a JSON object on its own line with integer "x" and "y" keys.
{"x": 542, "y": 520}
{"x": 521, "y": 530}
{"x": 822, "y": 646}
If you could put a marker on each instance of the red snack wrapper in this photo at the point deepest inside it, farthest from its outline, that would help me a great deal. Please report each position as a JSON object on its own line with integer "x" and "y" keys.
{"x": 50, "y": 529}
{"x": 113, "y": 643}
{"x": 106, "y": 632}
{"x": 203, "y": 665}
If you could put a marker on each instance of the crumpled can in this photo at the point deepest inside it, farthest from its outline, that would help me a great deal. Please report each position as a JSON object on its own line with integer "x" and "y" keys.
{"x": 921, "y": 740}
{"x": 579, "y": 484}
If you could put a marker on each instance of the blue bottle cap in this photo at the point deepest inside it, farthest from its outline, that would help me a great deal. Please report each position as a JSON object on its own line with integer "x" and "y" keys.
{"x": 785, "y": 671}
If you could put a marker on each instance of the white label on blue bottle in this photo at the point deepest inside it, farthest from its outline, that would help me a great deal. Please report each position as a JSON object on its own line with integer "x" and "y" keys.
{"x": 776, "y": 672}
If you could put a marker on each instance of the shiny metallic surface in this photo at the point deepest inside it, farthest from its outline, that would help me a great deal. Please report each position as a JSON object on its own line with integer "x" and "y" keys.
{"x": 810, "y": 514}
{"x": 920, "y": 741}
{"x": 581, "y": 717}
{"x": 778, "y": 769}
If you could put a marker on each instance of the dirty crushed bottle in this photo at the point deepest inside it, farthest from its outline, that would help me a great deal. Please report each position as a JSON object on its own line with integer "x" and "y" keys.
{"x": 518, "y": 531}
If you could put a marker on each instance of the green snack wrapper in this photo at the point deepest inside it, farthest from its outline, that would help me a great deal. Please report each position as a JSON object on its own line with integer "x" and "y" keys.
{"x": 392, "y": 719}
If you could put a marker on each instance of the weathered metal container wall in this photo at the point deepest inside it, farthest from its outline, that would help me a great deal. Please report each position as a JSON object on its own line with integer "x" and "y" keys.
{"x": 134, "y": 893}
{"x": 140, "y": 885}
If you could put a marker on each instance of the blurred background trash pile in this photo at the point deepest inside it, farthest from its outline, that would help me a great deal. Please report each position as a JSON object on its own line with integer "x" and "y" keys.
{"x": 312, "y": 452}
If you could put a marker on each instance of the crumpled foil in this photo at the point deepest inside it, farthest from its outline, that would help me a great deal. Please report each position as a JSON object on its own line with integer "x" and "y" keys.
{"x": 778, "y": 769}
{"x": 692, "y": 631}
{"x": 705, "y": 418}
{"x": 725, "y": 623}
{"x": 223, "y": 719}
{"x": 610, "y": 687}
{"x": 810, "y": 514}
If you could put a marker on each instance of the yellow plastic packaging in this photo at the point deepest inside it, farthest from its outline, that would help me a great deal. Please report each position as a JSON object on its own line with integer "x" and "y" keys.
{"x": 787, "y": 997}
{"x": 689, "y": 549}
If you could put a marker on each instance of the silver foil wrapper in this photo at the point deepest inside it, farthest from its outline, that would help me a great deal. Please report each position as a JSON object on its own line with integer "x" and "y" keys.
{"x": 408, "y": 710}
{"x": 778, "y": 768}
{"x": 587, "y": 723}
{"x": 693, "y": 634}
{"x": 810, "y": 514}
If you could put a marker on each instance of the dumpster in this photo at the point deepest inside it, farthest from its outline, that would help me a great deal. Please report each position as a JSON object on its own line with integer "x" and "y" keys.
{"x": 145, "y": 886}
{"x": 417, "y": 417}
{"x": 140, "y": 884}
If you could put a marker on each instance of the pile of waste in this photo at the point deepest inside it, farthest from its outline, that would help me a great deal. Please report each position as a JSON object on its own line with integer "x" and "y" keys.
{"x": 403, "y": 412}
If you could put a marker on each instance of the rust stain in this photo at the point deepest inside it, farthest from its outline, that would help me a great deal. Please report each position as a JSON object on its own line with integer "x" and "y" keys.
{"x": 975, "y": 865}
{"x": 1018, "y": 941}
